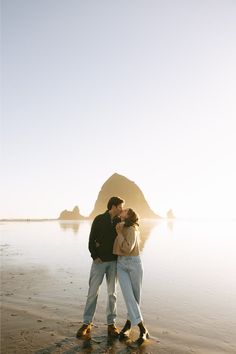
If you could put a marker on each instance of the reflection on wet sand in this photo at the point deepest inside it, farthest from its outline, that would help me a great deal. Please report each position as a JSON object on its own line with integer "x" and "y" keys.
{"x": 68, "y": 225}
{"x": 170, "y": 224}
{"x": 146, "y": 227}
{"x": 97, "y": 345}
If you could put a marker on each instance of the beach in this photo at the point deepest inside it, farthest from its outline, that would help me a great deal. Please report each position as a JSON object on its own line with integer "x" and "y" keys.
{"x": 188, "y": 293}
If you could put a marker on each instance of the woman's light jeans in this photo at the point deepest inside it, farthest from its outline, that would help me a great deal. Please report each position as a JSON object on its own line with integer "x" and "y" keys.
{"x": 130, "y": 274}
{"x": 98, "y": 270}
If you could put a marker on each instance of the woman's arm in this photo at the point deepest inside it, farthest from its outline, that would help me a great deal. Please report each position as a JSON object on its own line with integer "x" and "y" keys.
{"x": 128, "y": 242}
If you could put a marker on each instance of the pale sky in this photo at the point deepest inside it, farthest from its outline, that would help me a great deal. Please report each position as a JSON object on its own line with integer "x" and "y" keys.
{"x": 144, "y": 88}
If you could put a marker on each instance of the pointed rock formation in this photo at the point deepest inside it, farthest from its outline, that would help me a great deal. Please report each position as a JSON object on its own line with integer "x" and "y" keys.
{"x": 71, "y": 215}
{"x": 170, "y": 214}
{"x": 118, "y": 185}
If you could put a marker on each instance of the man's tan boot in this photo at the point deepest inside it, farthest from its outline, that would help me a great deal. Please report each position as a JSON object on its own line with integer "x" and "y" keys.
{"x": 112, "y": 331}
{"x": 84, "y": 330}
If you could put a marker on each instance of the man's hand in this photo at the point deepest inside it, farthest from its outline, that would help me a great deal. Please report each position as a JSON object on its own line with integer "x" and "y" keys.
{"x": 97, "y": 260}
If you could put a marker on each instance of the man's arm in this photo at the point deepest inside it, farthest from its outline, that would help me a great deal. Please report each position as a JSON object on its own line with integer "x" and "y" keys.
{"x": 92, "y": 238}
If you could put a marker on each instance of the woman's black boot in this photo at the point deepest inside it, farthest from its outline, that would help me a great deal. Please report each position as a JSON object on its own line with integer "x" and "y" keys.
{"x": 124, "y": 333}
{"x": 144, "y": 335}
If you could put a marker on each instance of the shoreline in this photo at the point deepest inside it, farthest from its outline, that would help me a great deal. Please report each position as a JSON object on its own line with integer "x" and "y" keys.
{"x": 192, "y": 219}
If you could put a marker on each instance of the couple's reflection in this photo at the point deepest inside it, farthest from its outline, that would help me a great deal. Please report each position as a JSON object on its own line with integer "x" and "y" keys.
{"x": 146, "y": 227}
{"x": 103, "y": 344}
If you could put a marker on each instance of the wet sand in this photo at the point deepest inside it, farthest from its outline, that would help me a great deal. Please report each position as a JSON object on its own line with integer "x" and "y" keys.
{"x": 41, "y": 313}
{"x": 42, "y": 299}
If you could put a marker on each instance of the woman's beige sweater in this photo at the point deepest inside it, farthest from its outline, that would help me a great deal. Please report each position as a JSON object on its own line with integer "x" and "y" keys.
{"x": 127, "y": 242}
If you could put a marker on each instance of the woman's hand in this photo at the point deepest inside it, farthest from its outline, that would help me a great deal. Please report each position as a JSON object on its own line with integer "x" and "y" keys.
{"x": 119, "y": 227}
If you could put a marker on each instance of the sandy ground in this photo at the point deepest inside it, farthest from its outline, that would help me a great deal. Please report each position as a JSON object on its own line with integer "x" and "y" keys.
{"x": 41, "y": 312}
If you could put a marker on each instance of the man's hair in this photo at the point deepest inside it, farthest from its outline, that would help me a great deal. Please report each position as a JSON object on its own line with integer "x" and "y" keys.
{"x": 114, "y": 201}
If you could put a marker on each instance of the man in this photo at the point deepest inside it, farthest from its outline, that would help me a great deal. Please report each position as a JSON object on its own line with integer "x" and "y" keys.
{"x": 101, "y": 239}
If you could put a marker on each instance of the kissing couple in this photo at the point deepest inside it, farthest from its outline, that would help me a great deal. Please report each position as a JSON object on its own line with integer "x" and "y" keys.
{"x": 114, "y": 248}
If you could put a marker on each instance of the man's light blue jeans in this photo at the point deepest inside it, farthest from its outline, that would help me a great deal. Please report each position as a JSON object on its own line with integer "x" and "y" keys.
{"x": 98, "y": 270}
{"x": 130, "y": 274}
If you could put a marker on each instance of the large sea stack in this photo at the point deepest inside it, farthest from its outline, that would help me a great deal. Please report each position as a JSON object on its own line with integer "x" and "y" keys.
{"x": 118, "y": 185}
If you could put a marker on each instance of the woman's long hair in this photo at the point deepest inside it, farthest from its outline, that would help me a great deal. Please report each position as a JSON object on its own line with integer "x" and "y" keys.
{"x": 132, "y": 218}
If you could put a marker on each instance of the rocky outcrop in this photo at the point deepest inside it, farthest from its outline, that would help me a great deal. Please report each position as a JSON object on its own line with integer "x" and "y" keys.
{"x": 118, "y": 185}
{"x": 170, "y": 214}
{"x": 71, "y": 215}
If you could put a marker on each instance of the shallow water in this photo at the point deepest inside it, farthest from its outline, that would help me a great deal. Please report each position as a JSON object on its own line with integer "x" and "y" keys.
{"x": 189, "y": 270}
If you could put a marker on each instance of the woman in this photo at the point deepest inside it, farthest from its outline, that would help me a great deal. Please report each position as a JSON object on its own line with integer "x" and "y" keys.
{"x": 130, "y": 271}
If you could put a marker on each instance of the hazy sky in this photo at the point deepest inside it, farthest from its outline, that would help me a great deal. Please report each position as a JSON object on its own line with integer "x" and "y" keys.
{"x": 144, "y": 88}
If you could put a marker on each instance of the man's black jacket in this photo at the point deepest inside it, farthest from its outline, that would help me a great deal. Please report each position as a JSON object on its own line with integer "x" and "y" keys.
{"x": 102, "y": 237}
